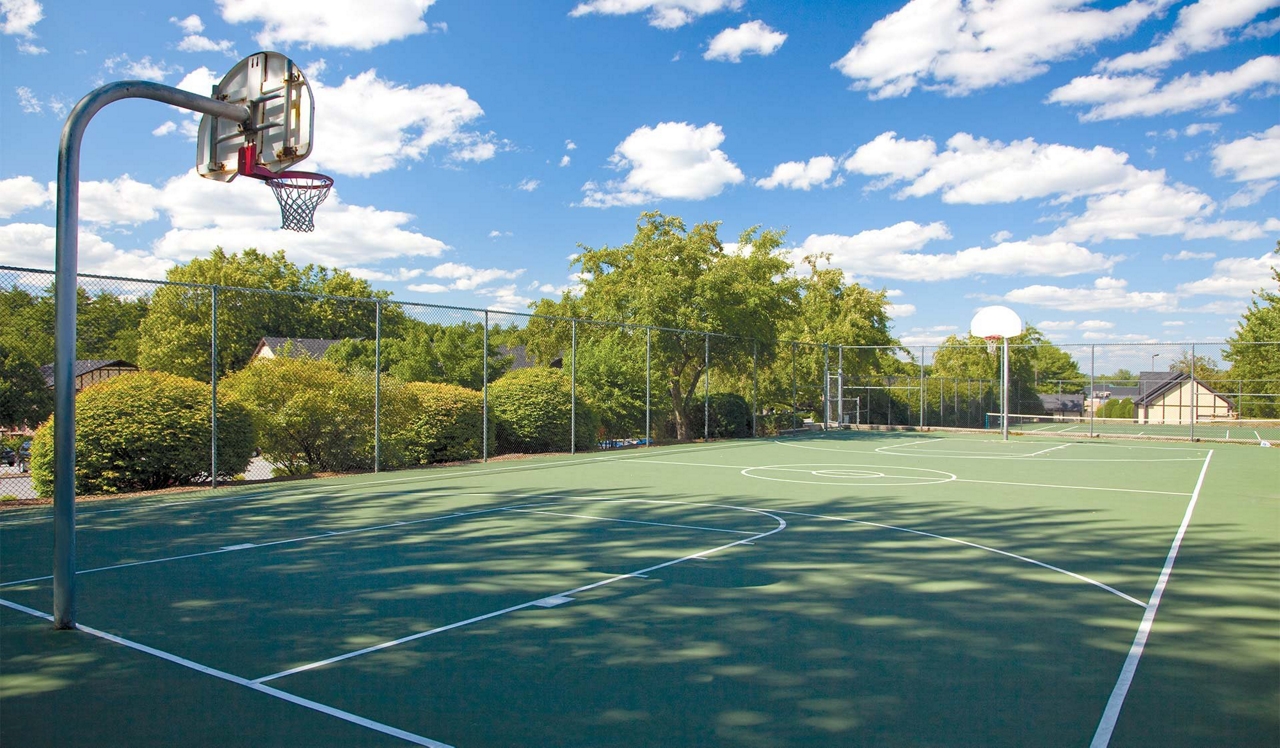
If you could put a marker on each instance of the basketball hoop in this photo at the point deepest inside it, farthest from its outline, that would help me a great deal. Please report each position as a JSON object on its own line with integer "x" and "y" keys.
{"x": 299, "y": 194}
{"x": 992, "y": 342}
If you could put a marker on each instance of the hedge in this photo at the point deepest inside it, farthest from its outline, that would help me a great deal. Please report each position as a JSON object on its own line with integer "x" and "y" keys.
{"x": 448, "y": 424}
{"x": 146, "y": 430}
{"x": 730, "y": 416}
{"x": 531, "y": 410}
{"x": 312, "y": 416}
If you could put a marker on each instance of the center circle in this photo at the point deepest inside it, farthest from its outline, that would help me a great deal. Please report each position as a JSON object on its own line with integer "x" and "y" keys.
{"x": 828, "y": 474}
{"x": 847, "y": 473}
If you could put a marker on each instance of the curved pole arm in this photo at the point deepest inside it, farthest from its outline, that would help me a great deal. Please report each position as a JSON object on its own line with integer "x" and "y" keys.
{"x": 67, "y": 239}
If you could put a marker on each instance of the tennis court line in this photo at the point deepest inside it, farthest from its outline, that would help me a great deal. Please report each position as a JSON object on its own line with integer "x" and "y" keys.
{"x": 1102, "y": 737}
{"x": 251, "y": 546}
{"x": 978, "y": 546}
{"x": 1072, "y": 488}
{"x": 639, "y": 573}
{"x": 631, "y": 521}
{"x": 1050, "y": 449}
{"x": 307, "y": 703}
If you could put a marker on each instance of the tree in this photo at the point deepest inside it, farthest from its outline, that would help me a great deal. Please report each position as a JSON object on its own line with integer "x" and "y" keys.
{"x": 1254, "y": 351}
{"x": 674, "y": 277}
{"x": 25, "y": 398}
{"x": 1031, "y": 357}
{"x": 427, "y": 352}
{"x": 176, "y": 333}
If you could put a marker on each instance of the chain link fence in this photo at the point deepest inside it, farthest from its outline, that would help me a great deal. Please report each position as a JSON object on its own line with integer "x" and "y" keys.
{"x": 226, "y": 385}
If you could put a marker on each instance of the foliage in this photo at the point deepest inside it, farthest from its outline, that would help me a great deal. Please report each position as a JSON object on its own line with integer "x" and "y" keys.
{"x": 1032, "y": 359}
{"x": 312, "y": 416}
{"x": 448, "y": 425}
{"x": 143, "y": 431}
{"x": 1122, "y": 408}
{"x": 531, "y": 408}
{"x": 730, "y": 416}
{"x": 25, "y": 398}
{"x": 674, "y": 277}
{"x": 1252, "y": 360}
{"x": 611, "y": 379}
{"x": 427, "y": 352}
{"x": 176, "y": 333}
{"x": 106, "y": 325}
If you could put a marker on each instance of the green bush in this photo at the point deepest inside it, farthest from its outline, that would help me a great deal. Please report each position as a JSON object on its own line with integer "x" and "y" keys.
{"x": 143, "y": 431}
{"x": 448, "y": 424}
{"x": 730, "y": 416}
{"x": 1117, "y": 409}
{"x": 311, "y": 416}
{"x": 531, "y": 409}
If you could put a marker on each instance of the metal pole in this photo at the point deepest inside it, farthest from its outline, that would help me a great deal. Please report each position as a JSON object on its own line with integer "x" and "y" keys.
{"x": 755, "y": 385}
{"x": 795, "y": 398}
{"x": 1004, "y": 393}
{"x": 67, "y": 250}
{"x": 213, "y": 382}
{"x": 826, "y": 385}
{"x": 1093, "y": 406}
{"x": 573, "y": 387}
{"x": 921, "y": 387}
{"x": 377, "y": 385}
{"x": 706, "y": 386}
{"x": 1195, "y": 392}
{"x": 648, "y": 370}
{"x": 484, "y": 392}
{"x": 840, "y": 386}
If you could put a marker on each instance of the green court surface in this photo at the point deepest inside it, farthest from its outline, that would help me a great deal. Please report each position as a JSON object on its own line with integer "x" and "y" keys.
{"x": 850, "y": 589}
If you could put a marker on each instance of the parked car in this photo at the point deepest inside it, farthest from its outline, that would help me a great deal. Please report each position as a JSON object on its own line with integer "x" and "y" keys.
{"x": 8, "y": 457}
{"x": 24, "y": 456}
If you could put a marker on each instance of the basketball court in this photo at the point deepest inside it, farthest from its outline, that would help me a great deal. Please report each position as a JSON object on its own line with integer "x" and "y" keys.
{"x": 849, "y": 588}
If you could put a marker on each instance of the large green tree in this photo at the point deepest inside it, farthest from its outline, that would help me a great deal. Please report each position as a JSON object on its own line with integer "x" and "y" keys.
{"x": 1254, "y": 350}
{"x": 1032, "y": 359}
{"x": 673, "y": 276}
{"x": 176, "y": 333}
{"x": 25, "y": 399}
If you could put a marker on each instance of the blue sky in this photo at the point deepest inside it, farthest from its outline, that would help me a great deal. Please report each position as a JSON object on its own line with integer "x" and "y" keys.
{"x": 1107, "y": 169}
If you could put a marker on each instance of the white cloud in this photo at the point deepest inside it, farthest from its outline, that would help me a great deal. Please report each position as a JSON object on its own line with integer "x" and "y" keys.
{"x": 1201, "y": 26}
{"x": 799, "y": 175}
{"x": 189, "y": 25}
{"x": 197, "y": 43}
{"x": 428, "y": 287}
{"x": 400, "y": 275}
{"x": 145, "y": 69}
{"x": 1050, "y": 325}
{"x": 1154, "y": 209}
{"x": 1196, "y": 128}
{"x": 505, "y": 298}
{"x": 18, "y": 18}
{"x": 29, "y": 102}
{"x": 1001, "y": 236}
{"x": 1143, "y": 96}
{"x": 165, "y": 129}
{"x": 1188, "y": 255}
{"x": 335, "y": 23}
{"x": 962, "y": 47}
{"x": 663, "y": 14}
{"x": 1104, "y": 295}
{"x": 23, "y": 193}
{"x": 979, "y": 171}
{"x": 495, "y": 234}
{"x": 893, "y": 253}
{"x": 123, "y": 200}
{"x": 1173, "y": 323}
{"x": 32, "y": 245}
{"x": 673, "y": 160}
{"x": 752, "y": 37}
{"x": 199, "y": 81}
{"x": 466, "y": 278}
{"x": 569, "y": 145}
{"x": 528, "y": 185}
{"x": 1233, "y": 276}
{"x": 1254, "y": 157}
{"x": 564, "y": 160}
{"x": 409, "y": 123}
{"x": 1089, "y": 324}
{"x": 897, "y": 311}
{"x": 1250, "y": 194}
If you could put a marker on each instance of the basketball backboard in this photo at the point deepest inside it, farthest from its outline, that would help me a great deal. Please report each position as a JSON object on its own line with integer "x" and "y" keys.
{"x": 995, "y": 322}
{"x": 280, "y": 124}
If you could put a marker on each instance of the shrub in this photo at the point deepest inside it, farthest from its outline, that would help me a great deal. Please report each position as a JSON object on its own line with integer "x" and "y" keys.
{"x": 448, "y": 424}
{"x": 143, "y": 431}
{"x": 730, "y": 416}
{"x": 312, "y": 416}
{"x": 531, "y": 410}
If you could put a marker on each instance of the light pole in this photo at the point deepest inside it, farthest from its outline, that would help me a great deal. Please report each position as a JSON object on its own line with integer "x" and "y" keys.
{"x": 1153, "y": 361}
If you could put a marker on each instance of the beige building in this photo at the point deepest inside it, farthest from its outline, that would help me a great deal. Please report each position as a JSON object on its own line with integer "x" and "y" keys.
{"x": 1179, "y": 399}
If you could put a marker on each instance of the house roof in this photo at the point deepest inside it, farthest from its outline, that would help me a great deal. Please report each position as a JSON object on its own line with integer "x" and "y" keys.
{"x": 1158, "y": 388}
{"x": 1062, "y": 403}
{"x": 84, "y": 366}
{"x": 298, "y": 347}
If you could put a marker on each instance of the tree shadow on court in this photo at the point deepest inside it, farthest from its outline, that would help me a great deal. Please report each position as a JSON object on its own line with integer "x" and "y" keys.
{"x": 826, "y": 633}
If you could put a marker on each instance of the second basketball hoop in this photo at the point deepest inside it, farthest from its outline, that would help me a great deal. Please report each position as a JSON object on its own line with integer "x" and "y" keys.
{"x": 277, "y": 135}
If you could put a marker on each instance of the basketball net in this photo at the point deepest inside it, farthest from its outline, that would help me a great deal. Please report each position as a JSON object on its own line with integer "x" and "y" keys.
{"x": 992, "y": 341}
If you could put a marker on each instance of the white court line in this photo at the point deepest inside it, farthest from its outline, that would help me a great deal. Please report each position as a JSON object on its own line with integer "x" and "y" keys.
{"x": 1050, "y": 449}
{"x": 1102, "y": 737}
{"x": 1072, "y": 488}
{"x": 268, "y": 544}
{"x": 307, "y": 703}
{"x": 978, "y": 546}
{"x": 631, "y": 521}
{"x": 782, "y": 525}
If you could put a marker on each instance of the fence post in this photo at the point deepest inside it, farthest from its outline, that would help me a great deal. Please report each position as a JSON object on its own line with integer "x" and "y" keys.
{"x": 377, "y": 385}
{"x": 1092, "y": 395}
{"x": 826, "y": 385}
{"x": 921, "y": 387}
{"x": 573, "y": 387}
{"x": 648, "y": 371}
{"x": 839, "y": 386}
{"x": 755, "y": 385}
{"x": 795, "y": 397}
{"x": 706, "y": 386}
{"x": 484, "y": 391}
{"x": 213, "y": 381}
{"x": 1195, "y": 392}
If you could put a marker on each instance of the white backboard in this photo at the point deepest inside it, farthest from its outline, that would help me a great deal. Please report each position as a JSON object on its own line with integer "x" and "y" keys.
{"x": 995, "y": 321}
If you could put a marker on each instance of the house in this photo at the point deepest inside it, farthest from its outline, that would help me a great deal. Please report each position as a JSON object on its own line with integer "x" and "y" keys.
{"x": 1063, "y": 405}
{"x": 1178, "y": 398}
{"x": 520, "y": 358}
{"x": 90, "y": 371}
{"x": 293, "y": 347}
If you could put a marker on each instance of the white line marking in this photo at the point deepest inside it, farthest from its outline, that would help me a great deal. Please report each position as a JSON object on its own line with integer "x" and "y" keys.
{"x": 239, "y": 547}
{"x": 553, "y": 601}
{"x": 1050, "y": 449}
{"x": 782, "y": 525}
{"x": 632, "y": 521}
{"x": 307, "y": 703}
{"x": 980, "y": 547}
{"x": 1071, "y": 488}
{"x": 1102, "y": 737}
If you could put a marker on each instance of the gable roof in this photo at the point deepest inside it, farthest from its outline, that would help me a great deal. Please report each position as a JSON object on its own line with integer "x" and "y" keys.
{"x": 84, "y": 366}
{"x": 1158, "y": 388}
{"x": 298, "y": 347}
{"x": 1063, "y": 403}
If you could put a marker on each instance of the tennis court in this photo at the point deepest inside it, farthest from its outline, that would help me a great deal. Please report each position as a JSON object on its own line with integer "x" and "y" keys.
{"x": 842, "y": 589}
